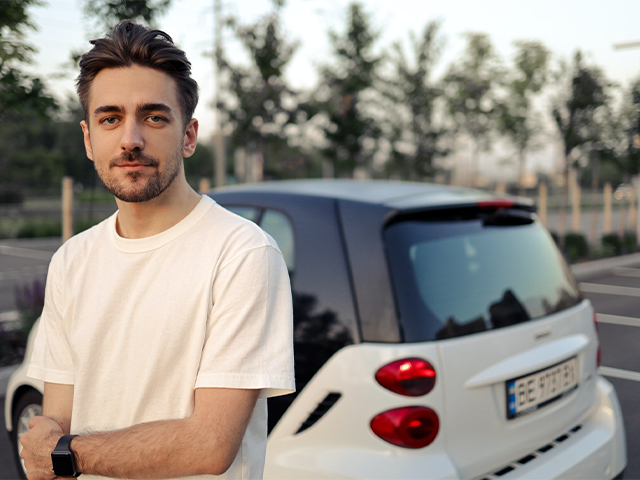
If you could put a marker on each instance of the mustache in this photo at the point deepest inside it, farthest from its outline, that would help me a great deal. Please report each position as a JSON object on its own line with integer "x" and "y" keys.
{"x": 134, "y": 157}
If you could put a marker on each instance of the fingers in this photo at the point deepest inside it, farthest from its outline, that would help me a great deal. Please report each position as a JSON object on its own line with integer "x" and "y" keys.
{"x": 37, "y": 445}
{"x": 35, "y": 421}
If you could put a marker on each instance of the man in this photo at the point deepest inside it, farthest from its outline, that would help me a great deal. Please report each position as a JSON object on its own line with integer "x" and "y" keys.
{"x": 166, "y": 326}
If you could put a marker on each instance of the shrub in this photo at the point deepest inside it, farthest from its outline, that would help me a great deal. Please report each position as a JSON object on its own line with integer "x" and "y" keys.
{"x": 30, "y": 302}
{"x": 629, "y": 242}
{"x": 11, "y": 195}
{"x": 40, "y": 228}
{"x": 576, "y": 246}
{"x": 612, "y": 243}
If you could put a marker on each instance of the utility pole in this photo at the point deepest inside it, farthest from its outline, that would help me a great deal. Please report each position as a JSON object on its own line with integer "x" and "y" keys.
{"x": 219, "y": 163}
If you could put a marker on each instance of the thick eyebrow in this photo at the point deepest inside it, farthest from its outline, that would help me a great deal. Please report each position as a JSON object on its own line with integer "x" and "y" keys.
{"x": 153, "y": 107}
{"x": 109, "y": 109}
{"x": 141, "y": 108}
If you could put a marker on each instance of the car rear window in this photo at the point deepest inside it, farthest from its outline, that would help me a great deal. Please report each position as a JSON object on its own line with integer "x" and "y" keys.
{"x": 460, "y": 277}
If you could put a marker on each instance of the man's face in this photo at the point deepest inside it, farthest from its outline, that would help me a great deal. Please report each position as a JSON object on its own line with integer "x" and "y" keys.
{"x": 135, "y": 134}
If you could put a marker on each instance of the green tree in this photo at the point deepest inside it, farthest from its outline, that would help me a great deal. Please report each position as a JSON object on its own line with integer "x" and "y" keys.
{"x": 258, "y": 103}
{"x": 629, "y": 121}
{"x": 583, "y": 91}
{"x": 107, "y": 13}
{"x": 46, "y": 149}
{"x": 415, "y": 138}
{"x": 21, "y": 95}
{"x": 516, "y": 118}
{"x": 343, "y": 98}
{"x": 470, "y": 88}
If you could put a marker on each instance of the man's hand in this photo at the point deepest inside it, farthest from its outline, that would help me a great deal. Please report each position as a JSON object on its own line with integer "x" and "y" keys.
{"x": 37, "y": 445}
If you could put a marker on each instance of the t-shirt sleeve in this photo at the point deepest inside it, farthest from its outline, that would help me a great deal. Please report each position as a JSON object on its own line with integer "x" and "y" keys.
{"x": 249, "y": 338}
{"x": 51, "y": 359}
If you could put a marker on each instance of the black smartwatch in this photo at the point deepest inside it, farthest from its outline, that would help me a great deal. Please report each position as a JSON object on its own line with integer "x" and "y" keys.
{"x": 63, "y": 458}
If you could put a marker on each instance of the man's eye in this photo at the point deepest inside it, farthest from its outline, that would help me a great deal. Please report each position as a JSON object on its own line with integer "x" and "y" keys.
{"x": 156, "y": 119}
{"x": 109, "y": 120}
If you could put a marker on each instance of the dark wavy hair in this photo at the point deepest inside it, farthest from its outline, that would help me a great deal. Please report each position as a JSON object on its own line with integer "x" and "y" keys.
{"x": 132, "y": 44}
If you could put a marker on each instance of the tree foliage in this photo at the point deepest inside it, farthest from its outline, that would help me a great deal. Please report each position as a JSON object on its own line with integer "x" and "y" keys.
{"x": 416, "y": 139}
{"x": 583, "y": 91}
{"x": 515, "y": 114}
{"x": 258, "y": 103}
{"x": 470, "y": 87}
{"x": 22, "y": 95}
{"x": 108, "y": 13}
{"x": 349, "y": 127}
{"x": 629, "y": 126}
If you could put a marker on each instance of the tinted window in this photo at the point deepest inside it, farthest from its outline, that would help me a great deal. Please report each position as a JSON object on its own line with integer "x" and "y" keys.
{"x": 279, "y": 227}
{"x": 454, "y": 278}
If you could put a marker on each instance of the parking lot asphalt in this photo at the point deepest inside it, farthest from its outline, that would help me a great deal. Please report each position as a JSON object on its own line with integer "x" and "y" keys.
{"x": 613, "y": 287}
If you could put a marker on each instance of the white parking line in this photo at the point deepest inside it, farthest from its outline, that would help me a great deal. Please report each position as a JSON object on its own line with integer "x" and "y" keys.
{"x": 25, "y": 253}
{"x": 619, "y": 373}
{"x": 618, "y": 320}
{"x": 24, "y": 272}
{"x": 626, "y": 272}
{"x": 609, "y": 289}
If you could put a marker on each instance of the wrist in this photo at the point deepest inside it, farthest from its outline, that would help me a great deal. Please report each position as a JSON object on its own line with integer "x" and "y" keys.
{"x": 63, "y": 458}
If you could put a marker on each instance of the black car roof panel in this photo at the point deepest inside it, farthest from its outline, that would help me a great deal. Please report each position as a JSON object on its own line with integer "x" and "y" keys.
{"x": 399, "y": 195}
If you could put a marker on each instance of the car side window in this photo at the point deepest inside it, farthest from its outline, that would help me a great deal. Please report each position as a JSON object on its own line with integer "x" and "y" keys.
{"x": 280, "y": 228}
{"x": 250, "y": 213}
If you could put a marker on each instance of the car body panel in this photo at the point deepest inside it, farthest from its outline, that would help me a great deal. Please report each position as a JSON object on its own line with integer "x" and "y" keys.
{"x": 476, "y": 368}
{"x": 19, "y": 382}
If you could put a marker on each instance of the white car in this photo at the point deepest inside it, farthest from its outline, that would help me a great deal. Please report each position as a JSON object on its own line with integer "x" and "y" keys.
{"x": 439, "y": 334}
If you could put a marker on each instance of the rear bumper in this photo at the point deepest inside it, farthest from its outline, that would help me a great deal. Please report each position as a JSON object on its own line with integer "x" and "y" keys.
{"x": 594, "y": 449}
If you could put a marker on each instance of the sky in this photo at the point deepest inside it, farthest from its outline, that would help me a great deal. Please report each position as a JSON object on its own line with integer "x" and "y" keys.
{"x": 564, "y": 26}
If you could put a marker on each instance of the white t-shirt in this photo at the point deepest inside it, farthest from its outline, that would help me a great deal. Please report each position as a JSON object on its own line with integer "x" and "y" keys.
{"x": 137, "y": 324}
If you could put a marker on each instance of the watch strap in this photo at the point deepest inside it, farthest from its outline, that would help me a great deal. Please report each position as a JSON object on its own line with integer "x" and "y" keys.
{"x": 63, "y": 458}
{"x": 65, "y": 442}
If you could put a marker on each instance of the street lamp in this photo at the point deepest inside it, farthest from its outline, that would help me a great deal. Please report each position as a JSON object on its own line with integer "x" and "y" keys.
{"x": 625, "y": 45}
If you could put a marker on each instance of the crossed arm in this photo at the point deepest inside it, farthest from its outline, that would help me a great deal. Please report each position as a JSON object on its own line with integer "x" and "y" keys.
{"x": 205, "y": 443}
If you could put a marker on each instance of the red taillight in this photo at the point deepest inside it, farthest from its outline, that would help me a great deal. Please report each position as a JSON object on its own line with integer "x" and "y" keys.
{"x": 409, "y": 427}
{"x": 496, "y": 204}
{"x": 412, "y": 377}
{"x": 599, "y": 351}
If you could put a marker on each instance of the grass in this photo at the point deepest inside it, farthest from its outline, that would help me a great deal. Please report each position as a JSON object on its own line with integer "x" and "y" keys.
{"x": 40, "y": 227}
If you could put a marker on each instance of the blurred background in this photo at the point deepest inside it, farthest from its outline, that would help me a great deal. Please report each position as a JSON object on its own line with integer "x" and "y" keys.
{"x": 492, "y": 95}
{"x": 540, "y": 99}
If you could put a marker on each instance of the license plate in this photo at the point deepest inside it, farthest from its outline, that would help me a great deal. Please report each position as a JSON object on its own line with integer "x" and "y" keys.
{"x": 534, "y": 391}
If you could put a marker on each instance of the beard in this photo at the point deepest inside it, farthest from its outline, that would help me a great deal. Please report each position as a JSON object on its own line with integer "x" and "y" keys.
{"x": 137, "y": 187}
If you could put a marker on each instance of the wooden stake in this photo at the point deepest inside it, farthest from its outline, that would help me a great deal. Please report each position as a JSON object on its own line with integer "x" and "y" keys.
{"x": 607, "y": 209}
{"x": 542, "y": 203}
{"x": 67, "y": 208}
{"x": 632, "y": 211}
{"x": 204, "y": 186}
{"x": 575, "y": 203}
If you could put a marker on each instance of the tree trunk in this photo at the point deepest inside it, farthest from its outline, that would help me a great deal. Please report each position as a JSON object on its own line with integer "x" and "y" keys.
{"x": 521, "y": 172}
{"x": 564, "y": 206}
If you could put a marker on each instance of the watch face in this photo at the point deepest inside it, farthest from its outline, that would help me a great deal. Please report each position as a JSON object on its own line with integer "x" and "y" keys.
{"x": 63, "y": 464}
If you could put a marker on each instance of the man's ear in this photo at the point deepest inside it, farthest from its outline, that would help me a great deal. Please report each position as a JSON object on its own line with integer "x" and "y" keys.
{"x": 87, "y": 139}
{"x": 190, "y": 138}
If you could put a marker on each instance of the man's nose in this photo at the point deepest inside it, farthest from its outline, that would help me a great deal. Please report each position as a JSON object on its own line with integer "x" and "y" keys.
{"x": 132, "y": 138}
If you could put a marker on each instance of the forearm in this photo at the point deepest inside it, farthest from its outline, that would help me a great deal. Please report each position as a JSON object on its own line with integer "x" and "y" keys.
{"x": 163, "y": 449}
{"x": 205, "y": 443}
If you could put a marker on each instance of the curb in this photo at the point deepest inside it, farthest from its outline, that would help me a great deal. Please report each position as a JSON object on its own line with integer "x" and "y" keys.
{"x": 598, "y": 267}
